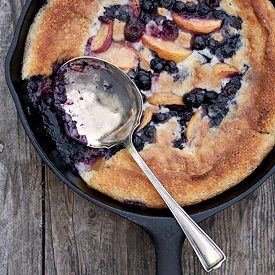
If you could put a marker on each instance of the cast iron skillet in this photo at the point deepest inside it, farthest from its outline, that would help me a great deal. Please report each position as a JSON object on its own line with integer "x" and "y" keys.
{"x": 164, "y": 231}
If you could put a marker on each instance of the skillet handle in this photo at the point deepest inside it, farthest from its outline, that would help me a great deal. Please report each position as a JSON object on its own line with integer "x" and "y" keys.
{"x": 168, "y": 254}
{"x": 168, "y": 238}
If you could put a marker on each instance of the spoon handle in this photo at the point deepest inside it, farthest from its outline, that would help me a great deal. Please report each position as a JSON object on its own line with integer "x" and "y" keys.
{"x": 209, "y": 254}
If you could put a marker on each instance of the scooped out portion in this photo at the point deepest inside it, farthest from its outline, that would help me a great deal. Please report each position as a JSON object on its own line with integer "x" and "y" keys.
{"x": 87, "y": 103}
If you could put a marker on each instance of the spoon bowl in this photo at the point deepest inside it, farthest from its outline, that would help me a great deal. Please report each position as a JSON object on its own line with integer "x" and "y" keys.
{"x": 111, "y": 88}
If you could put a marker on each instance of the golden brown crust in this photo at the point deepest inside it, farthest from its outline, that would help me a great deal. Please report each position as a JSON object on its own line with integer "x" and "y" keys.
{"x": 60, "y": 32}
{"x": 216, "y": 159}
{"x": 224, "y": 157}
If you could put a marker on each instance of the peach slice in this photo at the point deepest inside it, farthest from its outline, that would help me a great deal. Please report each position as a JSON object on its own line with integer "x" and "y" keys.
{"x": 165, "y": 99}
{"x": 146, "y": 118}
{"x": 144, "y": 64}
{"x": 196, "y": 127}
{"x": 165, "y": 49}
{"x": 121, "y": 55}
{"x": 135, "y": 8}
{"x": 102, "y": 41}
{"x": 197, "y": 25}
{"x": 223, "y": 70}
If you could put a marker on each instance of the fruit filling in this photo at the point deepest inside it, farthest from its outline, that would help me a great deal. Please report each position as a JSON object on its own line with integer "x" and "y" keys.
{"x": 157, "y": 43}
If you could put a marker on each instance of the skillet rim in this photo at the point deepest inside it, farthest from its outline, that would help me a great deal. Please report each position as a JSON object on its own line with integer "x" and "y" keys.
{"x": 127, "y": 213}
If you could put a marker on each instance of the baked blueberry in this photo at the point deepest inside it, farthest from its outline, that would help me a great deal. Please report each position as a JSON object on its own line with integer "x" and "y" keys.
{"x": 178, "y": 7}
{"x": 148, "y": 6}
{"x": 171, "y": 67}
{"x": 190, "y": 7}
{"x": 159, "y": 19}
{"x": 212, "y": 3}
{"x": 170, "y": 30}
{"x": 145, "y": 18}
{"x": 123, "y": 13}
{"x": 209, "y": 96}
{"x": 157, "y": 65}
{"x": 179, "y": 143}
{"x": 194, "y": 98}
{"x": 143, "y": 80}
{"x": 112, "y": 11}
{"x": 137, "y": 141}
{"x": 150, "y": 131}
{"x": 203, "y": 9}
{"x": 198, "y": 43}
{"x": 166, "y": 3}
{"x": 133, "y": 32}
{"x": 161, "y": 117}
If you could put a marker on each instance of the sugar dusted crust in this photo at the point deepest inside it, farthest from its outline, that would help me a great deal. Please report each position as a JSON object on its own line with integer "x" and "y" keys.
{"x": 216, "y": 158}
{"x": 60, "y": 32}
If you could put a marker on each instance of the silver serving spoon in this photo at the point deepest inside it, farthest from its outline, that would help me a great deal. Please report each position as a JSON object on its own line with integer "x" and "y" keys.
{"x": 91, "y": 81}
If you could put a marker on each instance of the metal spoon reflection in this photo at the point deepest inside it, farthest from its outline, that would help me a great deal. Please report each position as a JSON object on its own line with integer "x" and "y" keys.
{"x": 120, "y": 103}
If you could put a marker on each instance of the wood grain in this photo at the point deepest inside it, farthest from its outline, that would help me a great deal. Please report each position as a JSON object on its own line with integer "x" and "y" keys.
{"x": 20, "y": 175}
{"x": 45, "y": 228}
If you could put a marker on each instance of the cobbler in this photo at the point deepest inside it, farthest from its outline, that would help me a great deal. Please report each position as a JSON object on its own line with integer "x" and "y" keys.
{"x": 205, "y": 70}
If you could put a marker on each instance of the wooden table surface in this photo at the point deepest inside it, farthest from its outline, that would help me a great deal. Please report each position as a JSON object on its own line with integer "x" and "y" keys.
{"x": 45, "y": 228}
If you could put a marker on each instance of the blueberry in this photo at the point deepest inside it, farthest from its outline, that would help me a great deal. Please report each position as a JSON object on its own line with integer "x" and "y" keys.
{"x": 235, "y": 22}
{"x": 179, "y": 143}
{"x": 216, "y": 121}
{"x": 170, "y": 30}
{"x": 190, "y": 7}
{"x": 166, "y": 3}
{"x": 161, "y": 117}
{"x": 215, "y": 110}
{"x": 219, "y": 14}
{"x": 174, "y": 113}
{"x": 123, "y": 14}
{"x": 203, "y": 9}
{"x": 137, "y": 141}
{"x": 178, "y": 6}
{"x": 198, "y": 43}
{"x": 210, "y": 96}
{"x": 189, "y": 99}
{"x": 186, "y": 116}
{"x": 148, "y": 6}
{"x": 60, "y": 89}
{"x": 145, "y": 18}
{"x": 159, "y": 19}
{"x": 112, "y": 11}
{"x": 150, "y": 131}
{"x": 194, "y": 98}
{"x": 62, "y": 98}
{"x": 232, "y": 87}
{"x": 157, "y": 65}
{"x": 227, "y": 51}
{"x": 171, "y": 67}
{"x": 143, "y": 80}
{"x": 213, "y": 3}
{"x": 199, "y": 93}
{"x": 133, "y": 32}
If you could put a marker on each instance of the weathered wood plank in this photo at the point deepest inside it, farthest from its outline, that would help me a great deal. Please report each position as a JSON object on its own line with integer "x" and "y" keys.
{"x": 20, "y": 174}
{"x": 246, "y": 232}
{"x": 84, "y": 239}
{"x": 107, "y": 244}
